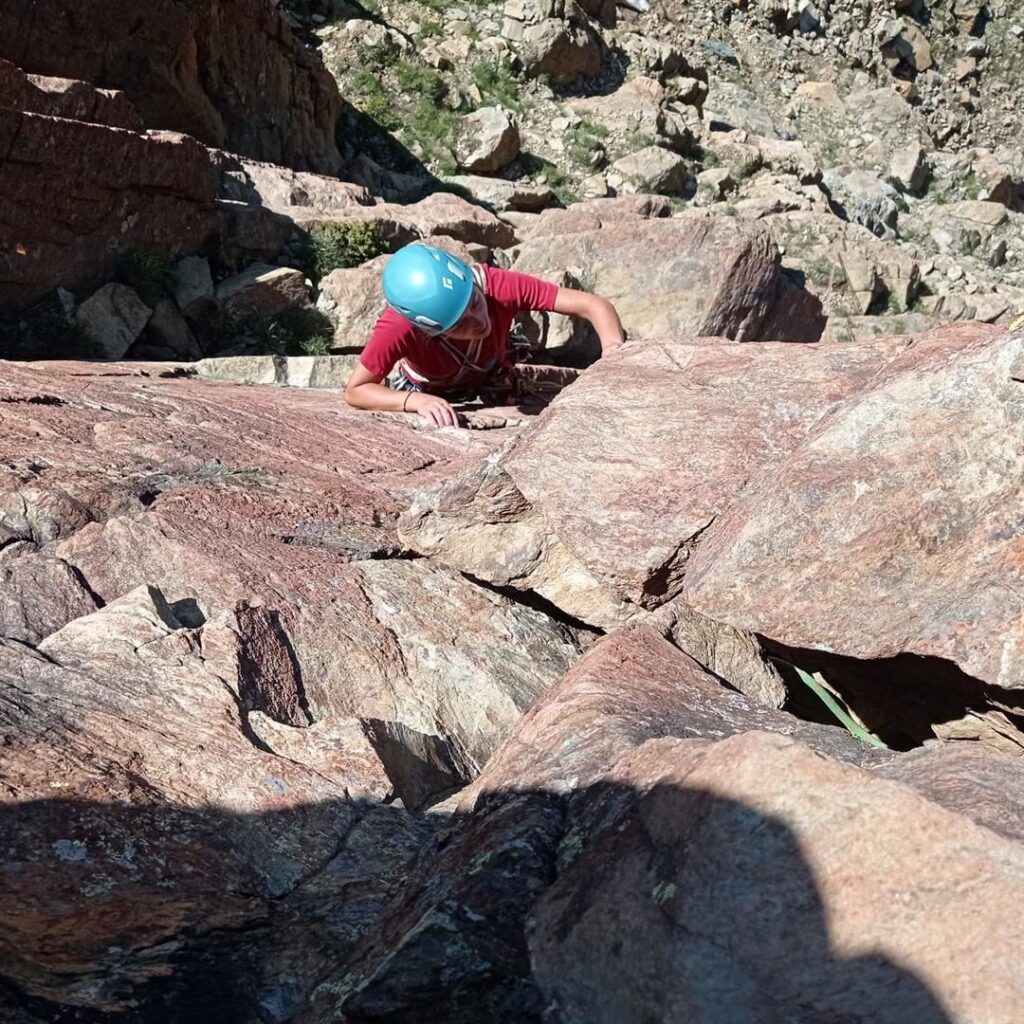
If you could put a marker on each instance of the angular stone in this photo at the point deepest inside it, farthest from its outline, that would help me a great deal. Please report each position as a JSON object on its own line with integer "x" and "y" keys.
{"x": 439, "y": 214}
{"x": 167, "y": 328}
{"x": 976, "y": 211}
{"x": 654, "y": 169}
{"x": 632, "y": 687}
{"x": 909, "y": 169}
{"x": 666, "y": 277}
{"x": 864, "y": 198}
{"x": 38, "y": 595}
{"x": 240, "y": 369}
{"x": 567, "y": 51}
{"x": 264, "y": 290}
{"x": 488, "y": 140}
{"x": 113, "y": 317}
{"x": 505, "y": 195}
{"x": 65, "y": 97}
{"x": 193, "y": 289}
{"x": 351, "y": 299}
{"x": 530, "y": 520}
{"x": 319, "y": 371}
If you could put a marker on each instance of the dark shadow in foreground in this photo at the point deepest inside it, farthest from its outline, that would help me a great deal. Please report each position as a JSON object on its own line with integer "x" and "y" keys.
{"x": 607, "y": 904}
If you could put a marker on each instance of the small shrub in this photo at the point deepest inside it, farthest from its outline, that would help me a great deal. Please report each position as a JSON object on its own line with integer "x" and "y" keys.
{"x": 339, "y": 246}
{"x": 220, "y": 331}
{"x": 586, "y": 144}
{"x": 318, "y": 345}
{"x": 296, "y": 332}
{"x": 372, "y": 99}
{"x": 421, "y": 81}
{"x": 150, "y": 275}
{"x": 497, "y": 84}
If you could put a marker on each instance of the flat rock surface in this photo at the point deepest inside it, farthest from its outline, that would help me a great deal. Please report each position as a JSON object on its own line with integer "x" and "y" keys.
{"x": 896, "y": 525}
{"x": 217, "y": 674}
{"x": 670, "y": 431}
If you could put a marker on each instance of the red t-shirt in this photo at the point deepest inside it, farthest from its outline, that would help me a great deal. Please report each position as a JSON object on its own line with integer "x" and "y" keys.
{"x": 395, "y": 338}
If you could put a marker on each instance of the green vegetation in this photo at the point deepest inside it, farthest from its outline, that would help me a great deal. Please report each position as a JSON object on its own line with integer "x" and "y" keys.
{"x": 585, "y": 144}
{"x": 341, "y": 245}
{"x": 821, "y": 270}
{"x": 497, "y": 84}
{"x": 828, "y": 696}
{"x": 150, "y": 275}
{"x": 295, "y": 332}
{"x": 551, "y": 175}
{"x": 971, "y": 186}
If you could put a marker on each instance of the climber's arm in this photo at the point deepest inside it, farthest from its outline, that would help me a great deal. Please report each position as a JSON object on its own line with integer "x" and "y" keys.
{"x": 367, "y": 390}
{"x": 599, "y": 312}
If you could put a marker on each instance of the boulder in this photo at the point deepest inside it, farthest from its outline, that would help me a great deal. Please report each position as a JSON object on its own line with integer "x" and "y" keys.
{"x": 352, "y": 300}
{"x": 1000, "y": 175}
{"x": 610, "y": 816}
{"x": 168, "y": 330}
{"x": 913, "y": 569}
{"x": 529, "y": 520}
{"x": 193, "y": 289}
{"x": 862, "y": 328}
{"x": 665, "y": 276}
{"x": 488, "y": 140}
{"x": 80, "y": 196}
{"x": 908, "y": 168}
{"x": 319, "y": 371}
{"x": 282, "y": 189}
{"x": 230, "y": 73}
{"x": 240, "y": 369}
{"x": 594, "y": 214}
{"x": 113, "y": 317}
{"x": 504, "y": 195}
{"x": 440, "y": 214}
{"x": 904, "y": 44}
{"x": 263, "y": 290}
{"x": 567, "y": 51}
{"x": 653, "y": 169}
{"x": 38, "y": 595}
{"x": 864, "y": 198}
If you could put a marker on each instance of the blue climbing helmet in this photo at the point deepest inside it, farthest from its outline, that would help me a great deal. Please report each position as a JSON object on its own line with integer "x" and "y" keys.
{"x": 428, "y": 286}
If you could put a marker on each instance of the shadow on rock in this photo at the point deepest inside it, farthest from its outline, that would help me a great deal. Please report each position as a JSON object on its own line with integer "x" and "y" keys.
{"x": 609, "y": 904}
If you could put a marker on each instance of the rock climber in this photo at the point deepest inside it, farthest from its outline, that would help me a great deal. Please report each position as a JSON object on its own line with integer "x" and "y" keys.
{"x": 445, "y": 336}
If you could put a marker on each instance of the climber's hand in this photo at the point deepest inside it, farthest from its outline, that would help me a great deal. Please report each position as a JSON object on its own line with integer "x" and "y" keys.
{"x": 433, "y": 408}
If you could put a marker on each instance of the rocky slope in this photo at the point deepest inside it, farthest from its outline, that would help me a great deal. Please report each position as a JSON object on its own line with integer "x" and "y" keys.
{"x": 230, "y": 694}
{"x": 695, "y": 694}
